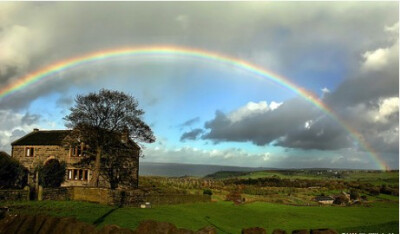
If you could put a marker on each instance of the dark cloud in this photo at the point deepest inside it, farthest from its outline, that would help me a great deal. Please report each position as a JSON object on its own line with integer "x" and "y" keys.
{"x": 189, "y": 122}
{"x": 261, "y": 128}
{"x": 7, "y": 73}
{"x": 192, "y": 135}
{"x": 367, "y": 100}
{"x": 16, "y": 134}
{"x": 284, "y": 37}
{"x": 30, "y": 119}
{"x": 296, "y": 124}
{"x": 366, "y": 88}
{"x": 325, "y": 134}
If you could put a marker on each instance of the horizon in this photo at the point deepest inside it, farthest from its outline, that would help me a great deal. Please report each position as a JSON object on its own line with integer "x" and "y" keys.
{"x": 273, "y": 168}
{"x": 307, "y": 85}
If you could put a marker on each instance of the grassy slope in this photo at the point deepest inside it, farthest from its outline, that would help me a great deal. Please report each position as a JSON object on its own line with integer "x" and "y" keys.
{"x": 228, "y": 217}
{"x": 379, "y": 178}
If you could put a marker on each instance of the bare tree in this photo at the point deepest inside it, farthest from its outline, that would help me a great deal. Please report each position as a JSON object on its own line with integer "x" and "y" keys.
{"x": 98, "y": 120}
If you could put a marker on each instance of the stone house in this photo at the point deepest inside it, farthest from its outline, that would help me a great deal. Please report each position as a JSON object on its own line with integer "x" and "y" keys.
{"x": 39, "y": 147}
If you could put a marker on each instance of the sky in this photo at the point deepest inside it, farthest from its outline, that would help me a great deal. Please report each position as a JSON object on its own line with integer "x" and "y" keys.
{"x": 204, "y": 112}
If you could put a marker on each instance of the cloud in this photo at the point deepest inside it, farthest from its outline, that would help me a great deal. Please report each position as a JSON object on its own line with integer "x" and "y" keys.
{"x": 369, "y": 106}
{"x": 258, "y": 123}
{"x": 231, "y": 156}
{"x": 387, "y": 108}
{"x": 14, "y": 125}
{"x": 323, "y": 134}
{"x": 65, "y": 102}
{"x": 252, "y": 108}
{"x": 13, "y": 45}
{"x": 346, "y": 158}
{"x": 323, "y": 42}
{"x": 379, "y": 58}
{"x": 29, "y": 119}
{"x": 291, "y": 35}
{"x": 192, "y": 135}
{"x": 189, "y": 122}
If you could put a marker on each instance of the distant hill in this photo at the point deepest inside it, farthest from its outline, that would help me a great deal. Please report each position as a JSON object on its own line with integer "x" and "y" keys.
{"x": 178, "y": 169}
{"x": 226, "y": 174}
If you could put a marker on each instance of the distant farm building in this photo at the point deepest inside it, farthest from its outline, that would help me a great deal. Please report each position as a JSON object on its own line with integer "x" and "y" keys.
{"x": 325, "y": 200}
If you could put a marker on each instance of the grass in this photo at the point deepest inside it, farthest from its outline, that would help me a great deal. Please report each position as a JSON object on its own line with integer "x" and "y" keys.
{"x": 375, "y": 178}
{"x": 228, "y": 217}
{"x": 262, "y": 174}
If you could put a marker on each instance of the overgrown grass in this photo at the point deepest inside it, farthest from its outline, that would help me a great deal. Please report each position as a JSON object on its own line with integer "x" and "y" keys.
{"x": 226, "y": 216}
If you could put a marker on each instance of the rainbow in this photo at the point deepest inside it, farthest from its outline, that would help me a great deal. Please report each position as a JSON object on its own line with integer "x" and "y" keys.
{"x": 48, "y": 71}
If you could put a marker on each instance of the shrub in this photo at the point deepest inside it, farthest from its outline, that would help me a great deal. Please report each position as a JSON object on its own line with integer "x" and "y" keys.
{"x": 52, "y": 174}
{"x": 354, "y": 194}
{"x": 12, "y": 173}
{"x": 235, "y": 196}
{"x": 374, "y": 191}
{"x": 207, "y": 192}
{"x": 389, "y": 191}
{"x": 341, "y": 200}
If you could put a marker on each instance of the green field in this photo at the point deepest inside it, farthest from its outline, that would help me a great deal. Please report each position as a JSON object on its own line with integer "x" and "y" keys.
{"x": 376, "y": 178}
{"x": 228, "y": 218}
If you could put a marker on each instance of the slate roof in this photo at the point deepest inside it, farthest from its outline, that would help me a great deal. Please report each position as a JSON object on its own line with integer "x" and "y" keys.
{"x": 52, "y": 137}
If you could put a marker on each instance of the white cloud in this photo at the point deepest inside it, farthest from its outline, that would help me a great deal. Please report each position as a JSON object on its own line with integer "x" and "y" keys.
{"x": 307, "y": 124}
{"x": 275, "y": 105}
{"x": 375, "y": 60}
{"x": 386, "y": 108}
{"x": 239, "y": 157}
{"x": 252, "y": 108}
{"x": 230, "y": 156}
{"x": 266, "y": 157}
{"x": 325, "y": 90}
{"x": 379, "y": 58}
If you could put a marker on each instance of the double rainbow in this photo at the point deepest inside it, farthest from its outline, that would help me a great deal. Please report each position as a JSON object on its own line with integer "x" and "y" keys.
{"x": 208, "y": 56}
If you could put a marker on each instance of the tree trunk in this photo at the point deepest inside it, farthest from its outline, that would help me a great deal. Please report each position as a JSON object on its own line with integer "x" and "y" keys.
{"x": 96, "y": 173}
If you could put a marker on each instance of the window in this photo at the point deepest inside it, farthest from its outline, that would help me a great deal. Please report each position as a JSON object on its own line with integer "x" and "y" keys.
{"x": 70, "y": 174}
{"x": 80, "y": 174}
{"x": 29, "y": 151}
{"x": 85, "y": 174}
{"x": 78, "y": 151}
{"x": 77, "y": 174}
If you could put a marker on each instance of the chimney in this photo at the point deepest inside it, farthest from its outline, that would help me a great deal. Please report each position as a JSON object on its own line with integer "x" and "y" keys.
{"x": 36, "y": 129}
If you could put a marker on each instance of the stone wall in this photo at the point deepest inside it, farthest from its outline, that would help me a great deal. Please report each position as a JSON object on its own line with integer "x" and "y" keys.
{"x": 120, "y": 197}
{"x": 40, "y": 155}
{"x": 60, "y": 194}
{"x": 44, "y": 153}
{"x": 14, "y": 194}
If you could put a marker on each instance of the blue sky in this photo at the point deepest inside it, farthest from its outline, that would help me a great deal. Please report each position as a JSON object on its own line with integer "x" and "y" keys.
{"x": 205, "y": 112}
